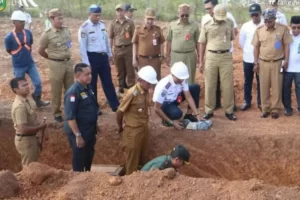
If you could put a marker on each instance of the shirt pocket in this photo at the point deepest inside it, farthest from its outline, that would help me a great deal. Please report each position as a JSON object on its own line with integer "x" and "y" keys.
{"x": 176, "y": 31}
{"x": 263, "y": 40}
{"x": 92, "y": 37}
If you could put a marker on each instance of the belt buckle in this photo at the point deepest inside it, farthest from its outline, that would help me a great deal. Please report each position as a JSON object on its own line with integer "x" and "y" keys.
{"x": 271, "y": 61}
{"x": 150, "y": 57}
{"x": 218, "y": 51}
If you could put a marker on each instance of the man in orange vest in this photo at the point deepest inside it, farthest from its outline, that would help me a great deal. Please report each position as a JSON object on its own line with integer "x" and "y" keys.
{"x": 18, "y": 44}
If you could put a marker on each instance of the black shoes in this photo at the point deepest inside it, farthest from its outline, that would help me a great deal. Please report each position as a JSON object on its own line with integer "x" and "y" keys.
{"x": 208, "y": 116}
{"x": 275, "y": 115}
{"x": 190, "y": 117}
{"x": 58, "y": 119}
{"x": 245, "y": 107}
{"x": 231, "y": 116}
{"x": 265, "y": 114}
{"x": 39, "y": 103}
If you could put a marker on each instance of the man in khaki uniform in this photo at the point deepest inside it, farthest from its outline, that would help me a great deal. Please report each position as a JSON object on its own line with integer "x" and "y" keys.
{"x": 120, "y": 34}
{"x": 134, "y": 110}
{"x": 148, "y": 42}
{"x": 271, "y": 54}
{"x": 215, "y": 42}
{"x": 57, "y": 41}
{"x": 182, "y": 40}
{"x": 25, "y": 122}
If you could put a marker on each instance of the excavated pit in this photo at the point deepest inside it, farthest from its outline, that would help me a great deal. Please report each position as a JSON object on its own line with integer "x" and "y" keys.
{"x": 273, "y": 159}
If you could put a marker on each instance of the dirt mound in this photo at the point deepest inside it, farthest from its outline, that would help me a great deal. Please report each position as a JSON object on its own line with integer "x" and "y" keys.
{"x": 9, "y": 185}
{"x": 149, "y": 185}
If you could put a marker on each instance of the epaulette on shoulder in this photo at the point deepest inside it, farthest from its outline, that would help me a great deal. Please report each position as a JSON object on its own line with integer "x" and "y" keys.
{"x": 168, "y": 85}
{"x": 84, "y": 24}
{"x": 47, "y": 29}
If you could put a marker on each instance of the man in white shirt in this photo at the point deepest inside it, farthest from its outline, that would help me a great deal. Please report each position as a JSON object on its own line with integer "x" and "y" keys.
{"x": 293, "y": 71}
{"x": 209, "y": 7}
{"x": 246, "y": 35}
{"x": 280, "y": 17}
{"x": 173, "y": 89}
{"x": 28, "y": 18}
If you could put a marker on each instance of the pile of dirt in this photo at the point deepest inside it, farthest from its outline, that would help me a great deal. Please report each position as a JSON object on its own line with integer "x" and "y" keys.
{"x": 9, "y": 185}
{"x": 64, "y": 185}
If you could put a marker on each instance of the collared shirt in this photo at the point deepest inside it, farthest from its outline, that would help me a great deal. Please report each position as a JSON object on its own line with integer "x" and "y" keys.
{"x": 207, "y": 18}
{"x": 280, "y": 18}
{"x": 271, "y": 41}
{"x": 217, "y": 36}
{"x": 81, "y": 105}
{"x": 183, "y": 37}
{"x": 135, "y": 106}
{"x": 148, "y": 40}
{"x": 167, "y": 91}
{"x": 23, "y": 112}
{"x": 23, "y": 57}
{"x": 121, "y": 33}
{"x": 294, "y": 59}
{"x": 93, "y": 38}
{"x": 246, "y": 35}
{"x": 28, "y": 20}
{"x": 161, "y": 163}
{"x": 58, "y": 42}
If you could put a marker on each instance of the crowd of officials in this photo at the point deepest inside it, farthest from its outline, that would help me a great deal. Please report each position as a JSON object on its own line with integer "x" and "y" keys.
{"x": 271, "y": 54}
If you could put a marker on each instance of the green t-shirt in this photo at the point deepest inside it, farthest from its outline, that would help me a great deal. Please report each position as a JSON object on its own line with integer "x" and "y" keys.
{"x": 47, "y": 23}
{"x": 161, "y": 162}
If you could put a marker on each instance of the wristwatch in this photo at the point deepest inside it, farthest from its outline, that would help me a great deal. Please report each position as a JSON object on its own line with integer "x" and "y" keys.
{"x": 171, "y": 122}
{"x": 78, "y": 134}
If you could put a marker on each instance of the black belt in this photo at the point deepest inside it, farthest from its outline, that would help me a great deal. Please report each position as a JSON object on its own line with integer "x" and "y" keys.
{"x": 122, "y": 46}
{"x": 150, "y": 57}
{"x": 59, "y": 60}
{"x": 271, "y": 60}
{"x": 21, "y": 135}
{"x": 219, "y": 51}
{"x": 101, "y": 53}
{"x": 184, "y": 51}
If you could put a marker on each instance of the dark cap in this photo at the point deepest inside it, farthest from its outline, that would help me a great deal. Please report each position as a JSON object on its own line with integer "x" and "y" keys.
{"x": 95, "y": 9}
{"x": 182, "y": 153}
{"x": 269, "y": 13}
{"x": 254, "y": 8}
{"x": 129, "y": 7}
{"x": 295, "y": 20}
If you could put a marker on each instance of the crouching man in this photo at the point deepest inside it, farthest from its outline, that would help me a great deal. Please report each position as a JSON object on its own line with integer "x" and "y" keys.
{"x": 176, "y": 159}
{"x": 173, "y": 90}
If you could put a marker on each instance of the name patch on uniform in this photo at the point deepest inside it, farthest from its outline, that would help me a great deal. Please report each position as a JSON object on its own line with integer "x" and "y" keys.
{"x": 82, "y": 34}
{"x": 83, "y": 95}
{"x": 72, "y": 98}
{"x": 69, "y": 44}
{"x": 168, "y": 85}
{"x": 163, "y": 94}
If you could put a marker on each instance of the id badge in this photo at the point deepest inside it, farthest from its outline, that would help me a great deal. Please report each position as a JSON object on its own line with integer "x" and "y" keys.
{"x": 69, "y": 44}
{"x": 127, "y": 35}
{"x": 187, "y": 37}
{"x": 154, "y": 41}
{"x": 277, "y": 44}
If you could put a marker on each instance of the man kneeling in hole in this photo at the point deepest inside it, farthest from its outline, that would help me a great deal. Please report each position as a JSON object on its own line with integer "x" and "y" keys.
{"x": 179, "y": 157}
{"x": 173, "y": 90}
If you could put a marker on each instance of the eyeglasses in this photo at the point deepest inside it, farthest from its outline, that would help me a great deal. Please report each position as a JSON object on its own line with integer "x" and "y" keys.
{"x": 184, "y": 15}
{"x": 254, "y": 15}
{"x": 295, "y": 27}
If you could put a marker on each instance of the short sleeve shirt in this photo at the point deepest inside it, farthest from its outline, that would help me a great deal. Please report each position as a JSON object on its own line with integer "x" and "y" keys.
{"x": 167, "y": 91}
{"x": 121, "y": 33}
{"x": 161, "y": 163}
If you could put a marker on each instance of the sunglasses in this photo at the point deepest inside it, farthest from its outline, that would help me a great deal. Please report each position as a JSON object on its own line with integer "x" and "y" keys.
{"x": 254, "y": 15}
{"x": 184, "y": 15}
{"x": 295, "y": 27}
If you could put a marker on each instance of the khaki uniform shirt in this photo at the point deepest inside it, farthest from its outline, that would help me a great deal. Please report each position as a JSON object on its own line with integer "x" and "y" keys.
{"x": 23, "y": 112}
{"x": 217, "y": 36}
{"x": 183, "y": 37}
{"x": 57, "y": 42}
{"x": 121, "y": 34}
{"x": 135, "y": 106}
{"x": 271, "y": 42}
{"x": 148, "y": 40}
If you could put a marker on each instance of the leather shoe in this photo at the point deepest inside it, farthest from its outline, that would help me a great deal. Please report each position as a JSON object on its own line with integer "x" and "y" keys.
{"x": 114, "y": 109}
{"x": 208, "y": 116}
{"x": 231, "y": 116}
{"x": 190, "y": 117}
{"x": 58, "y": 119}
{"x": 259, "y": 107}
{"x": 265, "y": 114}
{"x": 275, "y": 115}
{"x": 245, "y": 107}
{"x": 288, "y": 114}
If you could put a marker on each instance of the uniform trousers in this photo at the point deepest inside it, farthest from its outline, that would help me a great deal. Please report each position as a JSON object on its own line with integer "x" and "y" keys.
{"x": 153, "y": 62}
{"x": 288, "y": 79}
{"x": 28, "y": 148}
{"x": 61, "y": 75}
{"x": 136, "y": 146}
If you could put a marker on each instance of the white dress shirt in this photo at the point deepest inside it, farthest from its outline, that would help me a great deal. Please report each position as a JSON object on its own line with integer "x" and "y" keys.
{"x": 294, "y": 59}
{"x": 28, "y": 20}
{"x": 280, "y": 18}
{"x": 246, "y": 35}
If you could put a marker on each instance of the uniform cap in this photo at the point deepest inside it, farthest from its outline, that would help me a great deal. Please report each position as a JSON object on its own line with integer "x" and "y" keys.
{"x": 180, "y": 70}
{"x": 269, "y": 13}
{"x": 21, "y": 7}
{"x": 148, "y": 74}
{"x": 129, "y": 7}
{"x": 150, "y": 13}
{"x": 120, "y": 6}
{"x": 18, "y": 16}
{"x": 55, "y": 12}
{"x": 295, "y": 20}
{"x": 184, "y": 8}
{"x": 182, "y": 153}
{"x": 254, "y": 8}
{"x": 220, "y": 12}
{"x": 95, "y": 9}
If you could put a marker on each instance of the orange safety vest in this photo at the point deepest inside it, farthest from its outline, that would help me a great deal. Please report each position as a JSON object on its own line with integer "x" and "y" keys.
{"x": 19, "y": 43}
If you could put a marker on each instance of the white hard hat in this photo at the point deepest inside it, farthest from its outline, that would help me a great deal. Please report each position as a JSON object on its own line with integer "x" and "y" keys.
{"x": 18, "y": 15}
{"x": 180, "y": 70}
{"x": 148, "y": 74}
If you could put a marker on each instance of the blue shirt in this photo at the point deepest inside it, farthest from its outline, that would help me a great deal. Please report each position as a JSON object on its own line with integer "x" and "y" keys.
{"x": 81, "y": 105}
{"x": 23, "y": 57}
{"x": 93, "y": 38}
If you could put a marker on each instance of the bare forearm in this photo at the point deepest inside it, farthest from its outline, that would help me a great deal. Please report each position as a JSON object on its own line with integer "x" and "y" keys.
{"x": 192, "y": 105}
{"x": 256, "y": 54}
{"x": 202, "y": 48}
{"x": 168, "y": 49}
{"x": 286, "y": 52}
{"x": 111, "y": 41}
{"x": 162, "y": 115}
{"x": 134, "y": 51}
{"x": 43, "y": 53}
{"x": 120, "y": 118}
{"x": 73, "y": 126}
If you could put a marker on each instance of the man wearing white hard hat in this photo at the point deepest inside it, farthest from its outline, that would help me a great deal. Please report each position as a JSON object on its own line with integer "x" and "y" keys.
{"x": 18, "y": 44}
{"x": 171, "y": 91}
{"x": 133, "y": 111}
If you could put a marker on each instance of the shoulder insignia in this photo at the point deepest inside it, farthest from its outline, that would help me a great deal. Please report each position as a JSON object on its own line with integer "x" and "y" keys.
{"x": 84, "y": 24}
{"x": 168, "y": 85}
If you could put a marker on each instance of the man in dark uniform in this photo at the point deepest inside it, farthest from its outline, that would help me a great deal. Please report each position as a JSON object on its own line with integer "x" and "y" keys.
{"x": 177, "y": 158}
{"x": 81, "y": 110}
